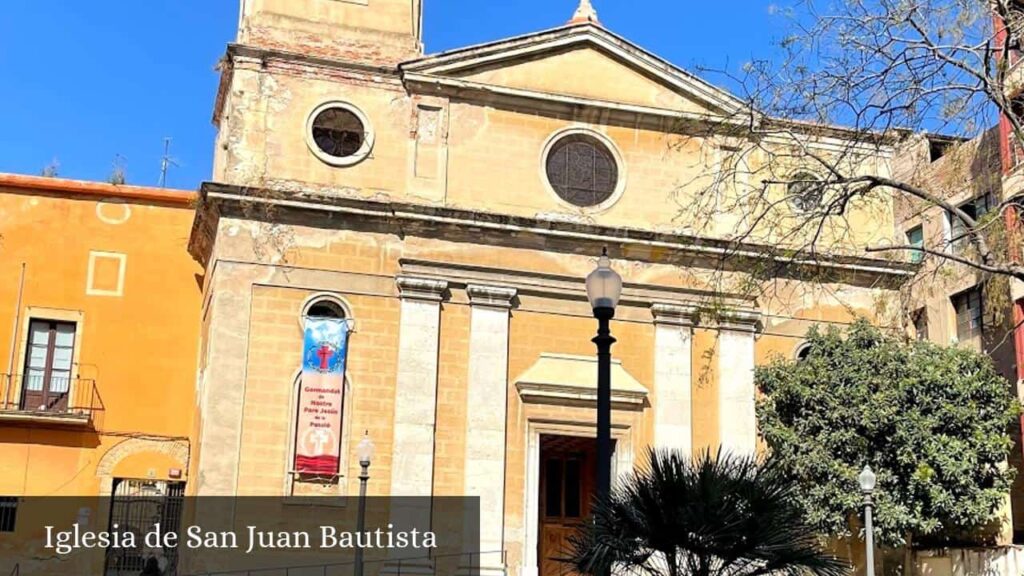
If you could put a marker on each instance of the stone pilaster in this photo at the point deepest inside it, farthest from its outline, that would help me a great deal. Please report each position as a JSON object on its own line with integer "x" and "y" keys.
{"x": 486, "y": 415}
{"x": 737, "y": 422}
{"x": 673, "y": 351}
{"x": 412, "y": 468}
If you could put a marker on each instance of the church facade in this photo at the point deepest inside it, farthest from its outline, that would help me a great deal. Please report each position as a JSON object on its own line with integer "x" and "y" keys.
{"x": 445, "y": 209}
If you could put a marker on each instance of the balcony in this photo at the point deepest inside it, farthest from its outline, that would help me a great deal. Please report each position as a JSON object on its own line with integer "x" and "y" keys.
{"x": 61, "y": 402}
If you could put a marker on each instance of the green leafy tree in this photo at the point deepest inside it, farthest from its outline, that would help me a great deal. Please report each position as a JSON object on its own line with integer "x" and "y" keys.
{"x": 705, "y": 516}
{"x": 931, "y": 421}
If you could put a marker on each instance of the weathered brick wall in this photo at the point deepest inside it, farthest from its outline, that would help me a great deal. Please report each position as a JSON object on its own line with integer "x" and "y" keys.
{"x": 967, "y": 169}
{"x": 377, "y": 32}
{"x": 275, "y": 357}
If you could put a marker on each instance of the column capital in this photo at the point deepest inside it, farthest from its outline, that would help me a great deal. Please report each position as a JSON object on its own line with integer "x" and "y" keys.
{"x": 421, "y": 288}
{"x": 674, "y": 314}
{"x": 493, "y": 296}
{"x": 739, "y": 319}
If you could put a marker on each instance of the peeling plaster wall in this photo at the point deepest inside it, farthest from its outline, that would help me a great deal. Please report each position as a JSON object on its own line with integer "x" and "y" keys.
{"x": 486, "y": 155}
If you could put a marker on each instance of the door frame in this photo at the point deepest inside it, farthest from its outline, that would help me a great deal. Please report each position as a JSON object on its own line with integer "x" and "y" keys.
{"x": 172, "y": 499}
{"x": 45, "y": 388}
{"x": 622, "y": 464}
{"x": 28, "y": 315}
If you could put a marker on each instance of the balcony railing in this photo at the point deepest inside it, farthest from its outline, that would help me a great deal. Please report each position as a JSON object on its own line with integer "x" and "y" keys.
{"x": 71, "y": 401}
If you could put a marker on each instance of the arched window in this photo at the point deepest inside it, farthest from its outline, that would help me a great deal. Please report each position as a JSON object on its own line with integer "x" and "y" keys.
{"x": 319, "y": 407}
{"x": 326, "y": 305}
{"x": 325, "y": 308}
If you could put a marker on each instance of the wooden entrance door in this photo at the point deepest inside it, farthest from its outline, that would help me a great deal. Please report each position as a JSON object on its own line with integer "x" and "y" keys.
{"x": 567, "y": 478}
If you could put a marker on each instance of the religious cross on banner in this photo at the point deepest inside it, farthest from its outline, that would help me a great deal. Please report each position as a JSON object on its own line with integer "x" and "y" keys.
{"x": 321, "y": 397}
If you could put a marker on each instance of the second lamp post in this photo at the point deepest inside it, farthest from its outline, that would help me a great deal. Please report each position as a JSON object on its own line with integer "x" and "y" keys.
{"x": 365, "y": 453}
{"x": 867, "y": 480}
{"x": 604, "y": 286}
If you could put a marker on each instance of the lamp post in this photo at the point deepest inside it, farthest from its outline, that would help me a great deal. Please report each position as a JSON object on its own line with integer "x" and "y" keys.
{"x": 604, "y": 286}
{"x": 365, "y": 453}
{"x": 867, "y": 481}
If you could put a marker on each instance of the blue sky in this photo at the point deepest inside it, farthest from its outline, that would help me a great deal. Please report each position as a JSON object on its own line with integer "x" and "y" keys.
{"x": 85, "y": 82}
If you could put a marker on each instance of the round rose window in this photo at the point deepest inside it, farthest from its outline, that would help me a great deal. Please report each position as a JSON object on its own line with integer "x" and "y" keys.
{"x": 582, "y": 170}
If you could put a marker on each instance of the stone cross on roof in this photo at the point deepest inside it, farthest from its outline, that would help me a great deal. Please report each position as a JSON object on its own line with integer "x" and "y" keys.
{"x": 584, "y": 13}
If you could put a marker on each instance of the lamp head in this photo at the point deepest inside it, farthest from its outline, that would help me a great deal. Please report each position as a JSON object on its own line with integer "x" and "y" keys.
{"x": 604, "y": 285}
{"x": 867, "y": 480}
{"x": 365, "y": 450}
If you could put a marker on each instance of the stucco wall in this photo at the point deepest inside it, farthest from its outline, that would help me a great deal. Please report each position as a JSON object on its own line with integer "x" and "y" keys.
{"x": 120, "y": 267}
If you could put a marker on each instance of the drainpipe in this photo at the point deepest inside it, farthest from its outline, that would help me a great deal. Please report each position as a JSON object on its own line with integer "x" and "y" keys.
{"x": 14, "y": 338}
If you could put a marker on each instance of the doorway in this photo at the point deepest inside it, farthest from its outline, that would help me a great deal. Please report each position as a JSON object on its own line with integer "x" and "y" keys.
{"x": 568, "y": 465}
{"x": 48, "y": 361}
{"x": 136, "y": 506}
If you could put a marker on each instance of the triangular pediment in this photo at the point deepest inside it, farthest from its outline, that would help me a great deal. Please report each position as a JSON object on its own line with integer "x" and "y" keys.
{"x": 579, "y": 61}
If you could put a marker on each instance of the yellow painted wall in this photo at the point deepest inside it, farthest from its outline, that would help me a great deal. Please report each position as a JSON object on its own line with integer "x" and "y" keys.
{"x": 138, "y": 344}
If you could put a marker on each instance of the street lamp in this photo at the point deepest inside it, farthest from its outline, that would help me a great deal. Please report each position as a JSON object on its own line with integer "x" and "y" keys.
{"x": 867, "y": 481}
{"x": 604, "y": 286}
{"x": 365, "y": 452}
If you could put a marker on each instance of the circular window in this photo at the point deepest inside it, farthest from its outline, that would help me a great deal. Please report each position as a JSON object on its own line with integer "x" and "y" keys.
{"x": 805, "y": 192}
{"x": 802, "y": 352}
{"x": 582, "y": 170}
{"x": 339, "y": 134}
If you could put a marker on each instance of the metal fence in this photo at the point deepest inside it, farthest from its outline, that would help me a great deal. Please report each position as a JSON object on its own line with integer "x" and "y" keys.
{"x": 135, "y": 507}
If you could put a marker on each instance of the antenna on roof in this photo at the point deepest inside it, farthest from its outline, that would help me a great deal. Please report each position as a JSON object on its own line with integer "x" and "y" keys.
{"x": 166, "y": 161}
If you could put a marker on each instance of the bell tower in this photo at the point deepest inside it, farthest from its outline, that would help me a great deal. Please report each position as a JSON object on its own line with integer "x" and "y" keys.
{"x": 374, "y": 32}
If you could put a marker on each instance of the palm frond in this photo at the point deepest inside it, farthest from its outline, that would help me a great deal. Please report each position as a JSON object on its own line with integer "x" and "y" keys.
{"x": 714, "y": 514}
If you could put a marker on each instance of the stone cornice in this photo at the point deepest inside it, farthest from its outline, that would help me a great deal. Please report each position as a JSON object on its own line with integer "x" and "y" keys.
{"x": 674, "y": 314}
{"x": 546, "y": 41}
{"x": 573, "y": 396}
{"x": 234, "y": 201}
{"x": 562, "y": 287}
{"x": 410, "y": 288}
{"x": 491, "y": 296}
{"x": 553, "y": 103}
{"x": 241, "y": 52}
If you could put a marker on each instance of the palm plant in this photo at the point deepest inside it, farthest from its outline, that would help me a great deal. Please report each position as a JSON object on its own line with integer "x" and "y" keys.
{"x": 710, "y": 515}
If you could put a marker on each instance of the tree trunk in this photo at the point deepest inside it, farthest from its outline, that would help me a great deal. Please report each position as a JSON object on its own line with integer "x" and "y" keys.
{"x": 908, "y": 555}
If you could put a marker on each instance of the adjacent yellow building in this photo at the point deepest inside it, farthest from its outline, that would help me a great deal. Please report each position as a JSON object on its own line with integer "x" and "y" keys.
{"x": 100, "y": 324}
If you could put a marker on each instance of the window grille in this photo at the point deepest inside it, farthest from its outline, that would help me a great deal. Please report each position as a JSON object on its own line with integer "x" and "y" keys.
{"x": 582, "y": 171}
{"x": 8, "y": 513}
{"x": 969, "y": 317}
